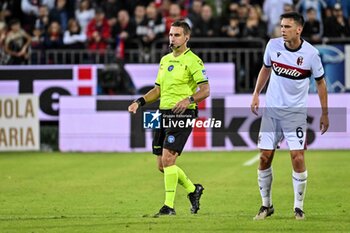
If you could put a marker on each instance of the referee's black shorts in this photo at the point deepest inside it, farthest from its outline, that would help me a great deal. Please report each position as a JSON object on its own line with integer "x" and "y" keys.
{"x": 172, "y": 138}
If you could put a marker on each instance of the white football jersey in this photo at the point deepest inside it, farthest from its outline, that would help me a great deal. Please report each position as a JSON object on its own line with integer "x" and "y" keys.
{"x": 289, "y": 81}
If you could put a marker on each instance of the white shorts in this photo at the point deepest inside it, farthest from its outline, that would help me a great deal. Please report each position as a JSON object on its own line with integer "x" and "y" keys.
{"x": 272, "y": 131}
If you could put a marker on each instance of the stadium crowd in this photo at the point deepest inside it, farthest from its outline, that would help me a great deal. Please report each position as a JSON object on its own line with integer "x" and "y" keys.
{"x": 97, "y": 25}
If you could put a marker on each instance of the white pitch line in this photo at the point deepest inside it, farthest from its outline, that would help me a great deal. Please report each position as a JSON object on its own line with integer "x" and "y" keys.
{"x": 252, "y": 160}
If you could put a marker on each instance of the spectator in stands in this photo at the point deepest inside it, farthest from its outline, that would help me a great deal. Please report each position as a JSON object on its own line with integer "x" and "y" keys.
{"x": 129, "y": 5}
{"x": 312, "y": 28}
{"x": 111, "y": 9}
{"x": 254, "y": 2}
{"x": 337, "y": 25}
{"x": 231, "y": 29}
{"x": 195, "y": 11}
{"x": 344, "y": 3}
{"x": 207, "y": 25}
{"x": 174, "y": 14}
{"x": 37, "y": 38}
{"x": 139, "y": 14}
{"x": 4, "y": 57}
{"x": 255, "y": 27}
{"x": 60, "y": 14}
{"x": 53, "y": 38}
{"x": 84, "y": 14}
{"x": 327, "y": 13}
{"x": 74, "y": 37}
{"x": 163, "y": 7}
{"x": 37, "y": 45}
{"x": 17, "y": 43}
{"x": 232, "y": 9}
{"x": 318, "y": 5}
{"x": 152, "y": 28}
{"x": 288, "y": 8}
{"x": 122, "y": 33}
{"x": 8, "y": 10}
{"x": 30, "y": 9}
{"x": 42, "y": 21}
{"x": 186, "y": 5}
{"x": 98, "y": 32}
{"x": 3, "y": 32}
{"x": 277, "y": 30}
{"x": 243, "y": 12}
{"x": 272, "y": 10}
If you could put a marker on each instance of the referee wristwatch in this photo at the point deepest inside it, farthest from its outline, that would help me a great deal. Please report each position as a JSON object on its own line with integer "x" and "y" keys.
{"x": 191, "y": 99}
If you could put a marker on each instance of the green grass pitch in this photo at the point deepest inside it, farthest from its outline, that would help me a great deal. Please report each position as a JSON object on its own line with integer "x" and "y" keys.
{"x": 120, "y": 192}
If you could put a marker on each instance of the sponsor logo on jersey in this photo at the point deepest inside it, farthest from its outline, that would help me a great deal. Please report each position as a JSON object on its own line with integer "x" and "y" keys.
{"x": 290, "y": 71}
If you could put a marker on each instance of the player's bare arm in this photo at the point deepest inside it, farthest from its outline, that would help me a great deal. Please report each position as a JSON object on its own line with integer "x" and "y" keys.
{"x": 263, "y": 76}
{"x": 322, "y": 93}
{"x": 149, "y": 97}
{"x": 201, "y": 94}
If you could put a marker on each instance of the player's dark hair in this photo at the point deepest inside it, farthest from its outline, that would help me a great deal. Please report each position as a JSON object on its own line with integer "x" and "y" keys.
{"x": 294, "y": 15}
{"x": 183, "y": 25}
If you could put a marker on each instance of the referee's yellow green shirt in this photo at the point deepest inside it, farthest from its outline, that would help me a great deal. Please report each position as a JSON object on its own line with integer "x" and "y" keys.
{"x": 178, "y": 78}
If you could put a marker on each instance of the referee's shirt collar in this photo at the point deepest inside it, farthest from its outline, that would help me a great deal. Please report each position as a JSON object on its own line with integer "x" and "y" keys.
{"x": 188, "y": 49}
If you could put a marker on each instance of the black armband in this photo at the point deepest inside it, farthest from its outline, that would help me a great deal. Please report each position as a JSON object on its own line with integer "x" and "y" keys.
{"x": 140, "y": 101}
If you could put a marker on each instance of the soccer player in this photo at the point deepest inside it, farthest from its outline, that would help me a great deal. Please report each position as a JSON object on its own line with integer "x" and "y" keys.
{"x": 180, "y": 74}
{"x": 292, "y": 61}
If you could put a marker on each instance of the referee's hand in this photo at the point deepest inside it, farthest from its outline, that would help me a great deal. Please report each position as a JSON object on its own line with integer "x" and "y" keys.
{"x": 133, "y": 107}
{"x": 181, "y": 106}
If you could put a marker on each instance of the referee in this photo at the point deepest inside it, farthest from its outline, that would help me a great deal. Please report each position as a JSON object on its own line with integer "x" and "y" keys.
{"x": 181, "y": 83}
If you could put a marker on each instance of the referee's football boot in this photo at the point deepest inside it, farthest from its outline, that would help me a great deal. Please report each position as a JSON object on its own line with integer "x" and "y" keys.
{"x": 194, "y": 197}
{"x": 299, "y": 214}
{"x": 165, "y": 210}
{"x": 264, "y": 212}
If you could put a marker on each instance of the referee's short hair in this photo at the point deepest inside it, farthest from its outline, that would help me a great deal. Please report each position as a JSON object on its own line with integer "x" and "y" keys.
{"x": 182, "y": 23}
{"x": 294, "y": 15}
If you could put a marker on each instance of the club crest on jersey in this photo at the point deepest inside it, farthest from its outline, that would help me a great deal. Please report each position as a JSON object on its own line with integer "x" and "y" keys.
{"x": 300, "y": 61}
{"x": 278, "y": 54}
{"x": 171, "y": 67}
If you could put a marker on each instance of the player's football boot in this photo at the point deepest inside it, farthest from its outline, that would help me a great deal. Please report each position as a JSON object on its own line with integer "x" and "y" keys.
{"x": 264, "y": 212}
{"x": 194, "y": 198}
{"x": 165, "y": 210}
{"x": 299, "y": 214}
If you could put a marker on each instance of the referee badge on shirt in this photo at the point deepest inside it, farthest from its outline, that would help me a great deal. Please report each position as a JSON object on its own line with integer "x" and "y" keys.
{"x": 204, "y": 72}
{"x": 171, "y": 67}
